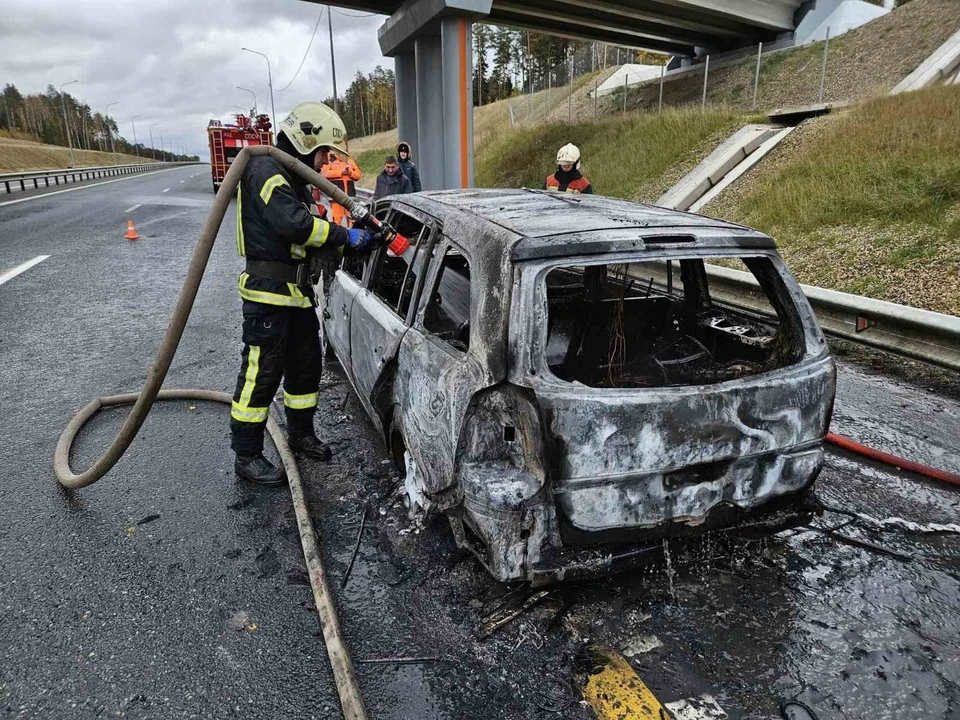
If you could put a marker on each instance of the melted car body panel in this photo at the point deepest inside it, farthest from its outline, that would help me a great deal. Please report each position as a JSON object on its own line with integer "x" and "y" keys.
{"x": 533, "y": 469}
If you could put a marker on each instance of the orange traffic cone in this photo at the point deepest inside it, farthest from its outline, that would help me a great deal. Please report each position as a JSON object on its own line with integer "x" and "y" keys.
{"x": 131, "y": 232}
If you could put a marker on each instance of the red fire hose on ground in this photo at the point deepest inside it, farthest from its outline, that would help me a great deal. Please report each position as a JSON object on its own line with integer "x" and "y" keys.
{"x": 894, "y": 460}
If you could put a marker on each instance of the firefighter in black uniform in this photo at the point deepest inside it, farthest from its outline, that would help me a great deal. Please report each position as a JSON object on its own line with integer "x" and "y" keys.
{"x": 278, "y": 236}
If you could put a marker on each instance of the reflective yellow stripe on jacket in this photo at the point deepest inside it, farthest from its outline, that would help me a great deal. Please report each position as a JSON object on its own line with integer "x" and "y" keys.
{"x": 295, "y": 299}
{"x": 272, "y": 183}
{"x": 241, "y": 249}
{"x": 319, "y": 234}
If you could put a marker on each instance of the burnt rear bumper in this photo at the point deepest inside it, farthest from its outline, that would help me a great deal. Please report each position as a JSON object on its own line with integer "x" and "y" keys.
{"x": 538, "y": 540}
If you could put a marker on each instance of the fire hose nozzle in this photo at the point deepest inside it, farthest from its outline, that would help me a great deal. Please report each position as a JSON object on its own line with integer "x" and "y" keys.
{"x": 399, "y": 245}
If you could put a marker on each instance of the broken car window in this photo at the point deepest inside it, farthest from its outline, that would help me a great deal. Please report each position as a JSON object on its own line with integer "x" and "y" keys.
{"x": 447, "y": 314}
{"x": 391, "y": 279}
{"x": 666, "y": 323}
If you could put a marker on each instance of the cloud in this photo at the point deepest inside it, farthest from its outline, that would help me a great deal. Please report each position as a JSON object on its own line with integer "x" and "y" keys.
{"x": 178, "y": 62}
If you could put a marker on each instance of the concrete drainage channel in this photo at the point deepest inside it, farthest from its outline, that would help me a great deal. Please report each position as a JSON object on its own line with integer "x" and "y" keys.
{"x": 721, "y": 168}
{"x": 943, "y": 66}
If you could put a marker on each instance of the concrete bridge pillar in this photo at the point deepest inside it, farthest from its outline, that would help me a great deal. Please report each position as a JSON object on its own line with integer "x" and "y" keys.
{"x": 429, "y": 54}
{"x": 405, "y": 67}
{"x": 431, "y": 43}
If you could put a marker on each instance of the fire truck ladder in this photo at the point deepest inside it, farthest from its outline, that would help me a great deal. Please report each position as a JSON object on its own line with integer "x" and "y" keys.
{"x": 219, "y": 156}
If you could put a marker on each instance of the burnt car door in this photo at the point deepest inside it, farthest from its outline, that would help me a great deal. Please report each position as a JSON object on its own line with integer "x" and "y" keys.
{"x": 336, "y": 304}
{"x": 437, "y": 374}
{"x": 382, "y": 311}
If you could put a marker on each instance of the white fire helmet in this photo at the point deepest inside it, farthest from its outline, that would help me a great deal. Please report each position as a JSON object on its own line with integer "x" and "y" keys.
{"x": 311, "y": 125}
{"x": 569, "y": 155}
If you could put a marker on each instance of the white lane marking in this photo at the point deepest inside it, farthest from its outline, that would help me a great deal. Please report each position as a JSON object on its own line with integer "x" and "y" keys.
{"x": 83, "y": 187}
{"x": 131, "y": 209}
{"x": 165, "y": 190}
{"x": 698, "y": 708}
{"x": 11, "y": 274}
{"x": 181, "y": 181}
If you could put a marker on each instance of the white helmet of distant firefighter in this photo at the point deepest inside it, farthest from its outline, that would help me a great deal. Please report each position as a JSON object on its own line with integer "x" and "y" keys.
{"x": 569, "y": 155}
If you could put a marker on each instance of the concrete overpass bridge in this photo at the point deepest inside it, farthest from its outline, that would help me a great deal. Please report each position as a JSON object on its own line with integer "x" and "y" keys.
{"x": 431, "y": 44}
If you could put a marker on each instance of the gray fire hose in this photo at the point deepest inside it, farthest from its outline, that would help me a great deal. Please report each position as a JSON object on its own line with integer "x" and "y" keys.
{"x": 351, "y": 701}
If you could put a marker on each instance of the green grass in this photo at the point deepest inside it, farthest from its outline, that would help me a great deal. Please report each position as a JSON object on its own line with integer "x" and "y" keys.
{"x": 621, "y": 154}
{"x": 892, "y": 160}
{"x": 371, "y": 163}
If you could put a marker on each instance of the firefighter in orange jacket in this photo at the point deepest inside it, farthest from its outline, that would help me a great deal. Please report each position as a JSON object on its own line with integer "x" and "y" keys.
{"x": 568, "y": 177}
{"x": 343, "y": 174}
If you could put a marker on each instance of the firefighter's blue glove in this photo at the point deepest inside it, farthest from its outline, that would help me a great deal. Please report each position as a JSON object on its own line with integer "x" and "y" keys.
{"x": 359, "y": 241}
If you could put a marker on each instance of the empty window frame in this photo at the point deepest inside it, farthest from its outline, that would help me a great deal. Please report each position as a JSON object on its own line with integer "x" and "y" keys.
{"x": 661, "y": 323}
{"x": 393, "y": 279}
{"x": 447, "y": 312}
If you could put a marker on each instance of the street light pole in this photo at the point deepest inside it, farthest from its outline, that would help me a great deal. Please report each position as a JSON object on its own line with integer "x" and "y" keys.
{"x": 66, "y": 121}
{"x": 106, "y": 119}
{"x": 161, "y": 148}
{"x": 133, "y": 125}
{"x": 153, "y": 151}
{"x": 273, "y": 109}
{"x": 255, "y": 106}
{"x": 333, "y": 60}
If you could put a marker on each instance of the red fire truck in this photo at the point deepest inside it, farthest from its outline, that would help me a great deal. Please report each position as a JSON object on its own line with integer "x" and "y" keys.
{"x": 226, "y": 141}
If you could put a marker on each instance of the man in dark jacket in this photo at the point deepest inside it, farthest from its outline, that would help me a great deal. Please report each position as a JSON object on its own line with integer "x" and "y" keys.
{"x": 277, "y": 235}
{"x": 392, "y": 181}
{"x": 405, "y": 161}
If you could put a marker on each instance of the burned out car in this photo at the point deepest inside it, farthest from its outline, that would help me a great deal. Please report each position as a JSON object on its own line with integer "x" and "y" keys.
{"x": 569, "y": 379}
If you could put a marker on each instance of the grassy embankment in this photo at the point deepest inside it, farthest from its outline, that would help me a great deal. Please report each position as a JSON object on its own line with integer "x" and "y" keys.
{"x": 866, "y": 201}
{"x": 637, "y": 157}
{"x": 17, "y": 155}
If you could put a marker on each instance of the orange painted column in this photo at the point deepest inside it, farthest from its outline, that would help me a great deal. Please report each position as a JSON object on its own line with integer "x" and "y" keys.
{"x": 457, "y": 41}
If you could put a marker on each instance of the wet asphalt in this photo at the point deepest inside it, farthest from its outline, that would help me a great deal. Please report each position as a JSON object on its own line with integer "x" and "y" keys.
{"x": 168, "y": 590}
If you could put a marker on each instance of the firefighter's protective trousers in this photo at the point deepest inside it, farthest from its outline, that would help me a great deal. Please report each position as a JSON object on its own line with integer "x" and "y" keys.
{"x": 278, "y": 343}
{"x": 280, "y": 326}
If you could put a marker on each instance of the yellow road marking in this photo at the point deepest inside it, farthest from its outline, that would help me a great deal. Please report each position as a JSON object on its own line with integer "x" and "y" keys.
{"x": 615, "y": 691}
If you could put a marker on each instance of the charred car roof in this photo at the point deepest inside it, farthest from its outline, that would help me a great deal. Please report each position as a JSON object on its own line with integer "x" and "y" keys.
{"x": 558, "y": 224}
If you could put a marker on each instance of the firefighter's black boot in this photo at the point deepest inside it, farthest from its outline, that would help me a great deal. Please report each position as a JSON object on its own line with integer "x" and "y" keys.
{"x": 258, "y": 470}
{"x": 310, "y": 445}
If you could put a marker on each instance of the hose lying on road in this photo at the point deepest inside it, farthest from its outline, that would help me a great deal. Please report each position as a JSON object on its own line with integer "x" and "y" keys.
{"x": 351, "y": 701}
{"x": 888, "y": 459}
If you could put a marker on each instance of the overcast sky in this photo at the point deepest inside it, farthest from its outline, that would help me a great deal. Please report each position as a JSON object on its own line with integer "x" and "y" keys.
{"x": 178, "y": 62}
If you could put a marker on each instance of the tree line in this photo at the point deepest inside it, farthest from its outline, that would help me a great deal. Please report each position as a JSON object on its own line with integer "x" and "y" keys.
{"x": 507, "y": 62}
{"x": 40, "y": 117}
{"x": 369, "y": 104}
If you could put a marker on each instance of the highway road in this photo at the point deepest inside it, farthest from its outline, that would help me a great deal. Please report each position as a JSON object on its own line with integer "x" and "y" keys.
{"x": 170, "y": 591}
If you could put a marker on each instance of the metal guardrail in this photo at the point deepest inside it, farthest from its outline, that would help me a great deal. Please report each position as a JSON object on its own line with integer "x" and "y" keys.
{"x": 899, "y": 329}
{"x": 77, "y": 174}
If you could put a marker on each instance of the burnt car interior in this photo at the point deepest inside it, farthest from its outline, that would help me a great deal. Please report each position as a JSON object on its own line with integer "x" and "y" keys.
{"x": 392, "y": 279}
{"x": 447, "y": 315}
{"x": 655, "y": 324}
